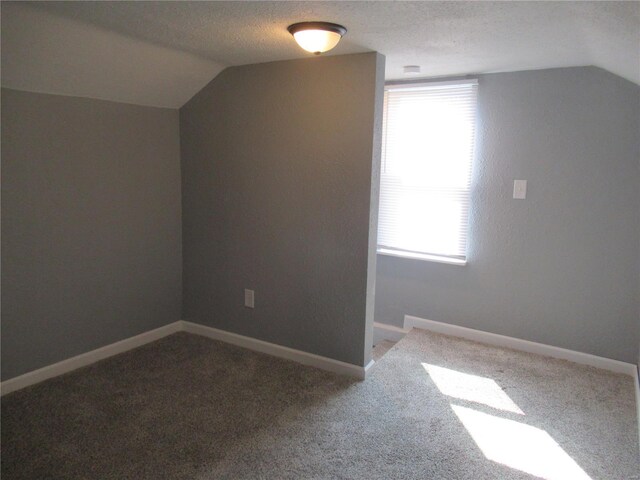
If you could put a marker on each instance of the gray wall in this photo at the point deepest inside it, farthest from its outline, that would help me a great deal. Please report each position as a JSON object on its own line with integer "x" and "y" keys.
{"x": 91, "y": 223}
{"x": 276, "y": 184}
{"x": 560, "y": 267}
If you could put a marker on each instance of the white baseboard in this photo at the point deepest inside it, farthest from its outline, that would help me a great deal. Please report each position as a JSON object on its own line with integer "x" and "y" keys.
{"x": 382, "y": 331}
{"x": 298, "y": 356}
{"x": 367, "y": 368}
{"x": 522, "y": 345}
{"x": 637, "y": 385}
{"x": 73, "y": 363}
{"x": 84, "y": 359}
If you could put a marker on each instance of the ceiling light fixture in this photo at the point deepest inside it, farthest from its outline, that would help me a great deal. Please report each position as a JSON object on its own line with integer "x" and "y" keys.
{"x": 317, "y": 37}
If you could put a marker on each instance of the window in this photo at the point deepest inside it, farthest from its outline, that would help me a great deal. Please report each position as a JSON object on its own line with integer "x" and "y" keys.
{"x": 427, "y": 150}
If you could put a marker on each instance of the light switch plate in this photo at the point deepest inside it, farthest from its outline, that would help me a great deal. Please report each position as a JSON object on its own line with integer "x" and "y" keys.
{"x": 249, "y": 296}
{"x": 520, "y": 189}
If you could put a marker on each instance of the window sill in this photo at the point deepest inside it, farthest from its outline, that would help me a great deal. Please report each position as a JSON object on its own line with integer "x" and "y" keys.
{"x": 422, "y": 256}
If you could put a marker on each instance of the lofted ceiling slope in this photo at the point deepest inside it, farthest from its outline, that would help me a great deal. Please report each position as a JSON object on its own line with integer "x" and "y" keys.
{"x": 161, "y": 53}
{"x": 48, "y": 53}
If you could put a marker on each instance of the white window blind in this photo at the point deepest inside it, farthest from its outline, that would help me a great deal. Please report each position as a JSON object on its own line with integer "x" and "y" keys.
{"x": 427, "y": 152}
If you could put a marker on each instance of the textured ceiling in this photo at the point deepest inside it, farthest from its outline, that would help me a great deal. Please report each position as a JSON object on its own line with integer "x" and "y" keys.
{"x": 444, "y": 38}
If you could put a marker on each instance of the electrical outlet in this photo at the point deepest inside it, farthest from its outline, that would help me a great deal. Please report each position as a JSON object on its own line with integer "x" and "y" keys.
{"x": 249, "y": 298}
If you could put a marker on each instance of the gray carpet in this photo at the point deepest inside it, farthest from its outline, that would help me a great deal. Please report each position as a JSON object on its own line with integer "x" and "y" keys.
{"x": 190, "y": 408}
{"x": 381, "y": 348}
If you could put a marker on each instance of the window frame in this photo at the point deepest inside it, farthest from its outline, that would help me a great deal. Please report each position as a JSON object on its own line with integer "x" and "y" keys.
{"x": 412, "y": 255}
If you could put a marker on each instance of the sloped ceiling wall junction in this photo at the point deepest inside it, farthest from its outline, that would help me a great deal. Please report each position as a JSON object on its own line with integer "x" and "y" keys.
{"x": 163, "y": 53}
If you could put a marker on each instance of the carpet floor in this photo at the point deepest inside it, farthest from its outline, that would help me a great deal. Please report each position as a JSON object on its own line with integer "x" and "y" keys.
{"x": 434, "y": 407}
{"x": 381, "y": 348}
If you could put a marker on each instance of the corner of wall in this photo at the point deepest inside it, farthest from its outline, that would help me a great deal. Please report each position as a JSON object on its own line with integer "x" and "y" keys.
{"x": 375, "y": 200}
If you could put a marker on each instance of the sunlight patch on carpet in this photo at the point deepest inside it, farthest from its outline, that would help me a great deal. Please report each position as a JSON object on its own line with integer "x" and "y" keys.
{"x": 472, "y": 388}
{"x": 519, "y": 446}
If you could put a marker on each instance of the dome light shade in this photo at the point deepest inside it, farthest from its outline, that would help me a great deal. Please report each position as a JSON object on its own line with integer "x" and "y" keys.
{"x": 317, "y": 37}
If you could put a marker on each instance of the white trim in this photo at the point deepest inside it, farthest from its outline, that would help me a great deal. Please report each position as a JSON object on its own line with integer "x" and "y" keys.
{"x": 419, "y": 85}
{"x": 368, "y": 367}
{"x": 280, "y": 351}
{"x": 636, "y": 381}
{"x": 84, "y": 359}
{"x": 522, "y": 345}
{"x": 421, "y": 256}
{"x": 382, "y": 331}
